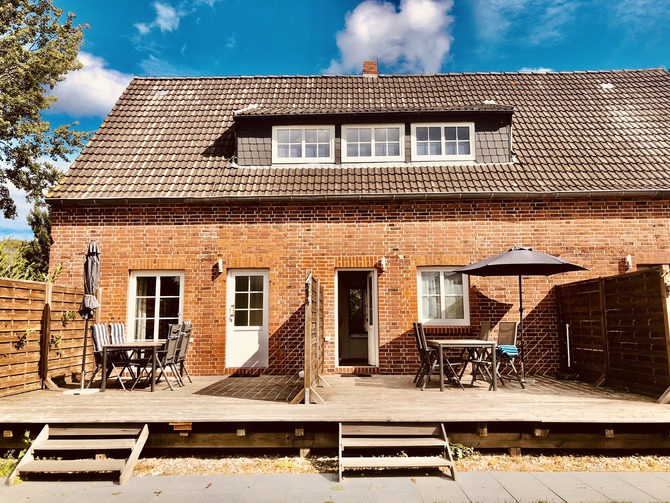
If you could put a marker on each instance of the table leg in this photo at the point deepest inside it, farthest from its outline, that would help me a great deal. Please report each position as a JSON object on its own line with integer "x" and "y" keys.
{"x": 494, "y": 363}
{"x": 103, "y": 384}
{"x": 153, "y": 368}
{"x": 440, "y": 360}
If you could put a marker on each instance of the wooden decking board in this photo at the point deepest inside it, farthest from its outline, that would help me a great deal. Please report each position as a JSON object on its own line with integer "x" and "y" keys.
{"x": 395, "y": 400}
{"x": 395, "y": 462}
{"x": 87, "y": 444}
{"x": 74, "y": 466}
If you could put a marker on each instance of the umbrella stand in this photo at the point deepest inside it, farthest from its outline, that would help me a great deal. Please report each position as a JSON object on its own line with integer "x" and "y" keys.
{"x": 83, "y": 360}
{"x": 523, "y": 355}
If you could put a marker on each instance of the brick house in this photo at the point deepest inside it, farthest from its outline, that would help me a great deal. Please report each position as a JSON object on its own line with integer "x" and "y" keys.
{"x": 211, "y": 199}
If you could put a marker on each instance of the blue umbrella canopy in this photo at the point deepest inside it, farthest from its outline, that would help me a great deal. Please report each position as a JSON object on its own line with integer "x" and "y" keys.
{"x": 520, "y": 261}
{"x": 89, "y": 303}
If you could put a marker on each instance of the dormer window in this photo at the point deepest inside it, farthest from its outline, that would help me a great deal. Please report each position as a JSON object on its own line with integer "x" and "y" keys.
{"x": 370, "y": 143}
{"x": 443, "y": 142}
{"x": 303, "y": 144}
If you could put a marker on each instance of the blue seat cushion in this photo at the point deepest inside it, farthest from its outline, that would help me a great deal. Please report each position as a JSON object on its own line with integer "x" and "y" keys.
{"x": 508, "y": 350}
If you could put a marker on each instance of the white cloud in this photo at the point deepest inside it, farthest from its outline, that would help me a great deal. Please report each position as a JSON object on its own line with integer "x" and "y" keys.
{"x": 168, "y": 17}
{"x": 90, "y": 91}
{"x": 412, "y": 38}
{"x": 637, "y": 16}
{"x": 539, "y": 69}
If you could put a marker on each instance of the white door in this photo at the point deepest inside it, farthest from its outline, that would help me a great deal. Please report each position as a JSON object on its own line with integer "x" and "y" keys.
{"x": 371, "y": 319}
{"x": 248, "y": 307}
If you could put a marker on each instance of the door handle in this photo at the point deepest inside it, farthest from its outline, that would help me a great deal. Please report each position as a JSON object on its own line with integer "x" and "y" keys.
{"x": 231, "y": 312}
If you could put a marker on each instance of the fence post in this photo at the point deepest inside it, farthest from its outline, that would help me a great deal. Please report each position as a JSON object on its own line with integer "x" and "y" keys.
{"x": 45, "y": 338}
{"x": 603, "y": 330}
{"x": 665, "y": 278}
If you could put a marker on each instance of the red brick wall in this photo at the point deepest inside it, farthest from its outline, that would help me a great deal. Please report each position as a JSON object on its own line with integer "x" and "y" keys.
{"x": 289, "y": 239}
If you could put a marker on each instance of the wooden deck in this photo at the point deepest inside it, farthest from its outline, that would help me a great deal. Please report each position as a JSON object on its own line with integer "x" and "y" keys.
{"x": 547, "y": 413}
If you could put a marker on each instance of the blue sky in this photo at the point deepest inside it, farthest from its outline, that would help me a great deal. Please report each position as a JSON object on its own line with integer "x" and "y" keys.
{"x": 309, "y": 37}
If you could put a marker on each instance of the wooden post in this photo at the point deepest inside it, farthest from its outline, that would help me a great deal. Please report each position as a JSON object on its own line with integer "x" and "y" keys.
{"x": 45, "y": 339}
{"x": 665, "y": 285}
{"x": 603, "y": 326}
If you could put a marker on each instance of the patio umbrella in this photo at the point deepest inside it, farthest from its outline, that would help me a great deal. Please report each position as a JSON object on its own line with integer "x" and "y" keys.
{"x": 520, "y": 261}
{"x": 89, "y": 303}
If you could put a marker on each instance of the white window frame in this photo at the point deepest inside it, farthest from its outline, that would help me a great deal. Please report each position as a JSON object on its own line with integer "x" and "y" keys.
{"x": 303, "y": 159}
{"x": 373, "y": 158}
{"x": 132, "y": 300}
{"x": 444, "y": 157}
{"x": 442, "y": 321}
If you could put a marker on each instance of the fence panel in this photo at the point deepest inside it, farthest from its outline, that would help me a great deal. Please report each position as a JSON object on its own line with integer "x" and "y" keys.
{"x": 27, "y": 341}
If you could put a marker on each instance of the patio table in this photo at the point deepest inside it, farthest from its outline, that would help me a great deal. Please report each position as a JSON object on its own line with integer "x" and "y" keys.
{"x": 469, "y": 344}
{"x": 136, "y": 346}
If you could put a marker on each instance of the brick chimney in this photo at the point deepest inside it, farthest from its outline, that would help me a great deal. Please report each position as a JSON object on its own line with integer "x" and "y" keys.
{"x": 370, "y": 69}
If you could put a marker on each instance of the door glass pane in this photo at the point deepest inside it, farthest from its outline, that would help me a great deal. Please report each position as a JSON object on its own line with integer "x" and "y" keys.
{"x": 169, "y": 308}
{"x": 256, "y": 283}
{"x": 163, "y": 326}
{"x": 241, "y": 318}
{"x": 255, "y": 317}
{"x": 241, "y": 283}
{"x": 256, "y": 301}
{"x": 146, "y": 286}
{"x": 169, "y": 286}
{"x": 241, "y": 300}
{"x": 145, "y": 308}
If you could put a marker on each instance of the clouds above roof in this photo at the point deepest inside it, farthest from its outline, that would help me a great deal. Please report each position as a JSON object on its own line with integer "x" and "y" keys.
{"x": 413, "y": 37}
{"x": 90, "y": 91}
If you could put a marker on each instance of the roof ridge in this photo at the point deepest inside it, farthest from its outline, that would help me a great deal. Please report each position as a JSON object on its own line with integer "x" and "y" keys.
{"x": 394, "y": 75}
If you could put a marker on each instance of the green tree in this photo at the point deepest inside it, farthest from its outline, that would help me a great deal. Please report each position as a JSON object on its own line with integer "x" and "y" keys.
{"x": 36, "y": 252}
{"x": 38, "y": 46}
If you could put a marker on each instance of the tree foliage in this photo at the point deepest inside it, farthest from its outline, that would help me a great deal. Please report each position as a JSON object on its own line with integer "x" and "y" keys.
{"x": 38, "y": 46}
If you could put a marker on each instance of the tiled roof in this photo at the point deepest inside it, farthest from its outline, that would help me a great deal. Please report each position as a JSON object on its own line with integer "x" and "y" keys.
{"x": 573, "y": 133}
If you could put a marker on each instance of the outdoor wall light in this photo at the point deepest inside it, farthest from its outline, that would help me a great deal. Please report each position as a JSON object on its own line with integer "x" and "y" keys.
{"x": 383, "y": 263}
{"x": 628, "y": 261}
{"x": 219, "y": 265}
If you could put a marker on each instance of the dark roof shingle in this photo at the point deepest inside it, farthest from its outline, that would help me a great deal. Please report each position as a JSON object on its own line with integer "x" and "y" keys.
{"x": 573, "y": 132}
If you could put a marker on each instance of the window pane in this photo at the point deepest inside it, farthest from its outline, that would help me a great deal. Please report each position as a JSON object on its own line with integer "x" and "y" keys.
{"x": 422, "y": 148}
{"x": 463, "y": 133}
{"x": 169, "y": 286}
{"x": 393, "y": 134}
{"x": 241, "y": 300}
{"x": 324, "y": 150}
{"x": 282, "y": 151}
{"x": 324, "y": 136}
{"x": 454, "y": 308}
{"x": 283, "y": 135}
{"x": 380, "y": 134}
{"x": 296, "y": 151}
{"x": 295, "y": 135}
{"x": 365, "y": 135}
{"x": 431, "y": 308}
{"x": 310, "y": 150}
{"x": 435, "y": 149}
{"x": 352, "y": 150}
{"x": 241, "y": 318}
{"x": 366, "y": 150}
{"x": 450, "y": 148}
{"x": 463, "y": 148}
{"x": 311, "y": 135}
{"x": 422, "y": 134}
{"x": 430, "y": 283}
{"x": 256, "y": 317}
{"x": 453, "y": 283}
{"x": 434, "y": 133}
{"x": 380, "y": 149}
{"x": 146, "y": 286}
{"x": 144, "y": 329}
{"x": 352, "y": 135}
{"x": 449, "y": 133}
{"x": 256, "y": 283}
{"x": 394, "y": 149}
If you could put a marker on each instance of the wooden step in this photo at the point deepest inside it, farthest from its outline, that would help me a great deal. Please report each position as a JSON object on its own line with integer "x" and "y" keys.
{"x": 73, "y": 466}
{"x": 393, "y": 442}
{"x": 427, "y": 438}
{"x": 85, "y": 444}
{"x": 94, "y": 431}
{"x": 395, "y": 462}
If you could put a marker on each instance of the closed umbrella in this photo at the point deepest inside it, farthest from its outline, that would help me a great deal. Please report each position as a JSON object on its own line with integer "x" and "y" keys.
{"x": 520, "y": 261}
{"x": 89, "y": 303}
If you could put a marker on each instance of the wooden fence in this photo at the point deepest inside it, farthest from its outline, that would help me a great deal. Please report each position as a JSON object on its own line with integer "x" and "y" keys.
{"x": 41, "y": 334}
{"x": 615, "y": 330}
{"x": 314, "y": 343}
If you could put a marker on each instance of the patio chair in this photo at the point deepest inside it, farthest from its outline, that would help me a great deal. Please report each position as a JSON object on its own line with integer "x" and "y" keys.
{"x": 507, "y": 352}
{"x": 182, "y": 349}
{"x": 479, "y": 358}
{"x": 117, "y": 335}
{"x": 427, "y": 357}
{"x": 166, "y": 360}
{"x": 100, "y": 338}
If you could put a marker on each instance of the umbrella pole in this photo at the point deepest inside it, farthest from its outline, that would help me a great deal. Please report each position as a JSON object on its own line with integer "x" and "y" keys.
{"x": 83, "y": 360}
{"x": 523, "y": 362}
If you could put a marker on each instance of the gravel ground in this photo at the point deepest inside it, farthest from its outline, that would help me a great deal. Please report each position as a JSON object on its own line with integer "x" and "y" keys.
{"x": 474, "y": 462}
